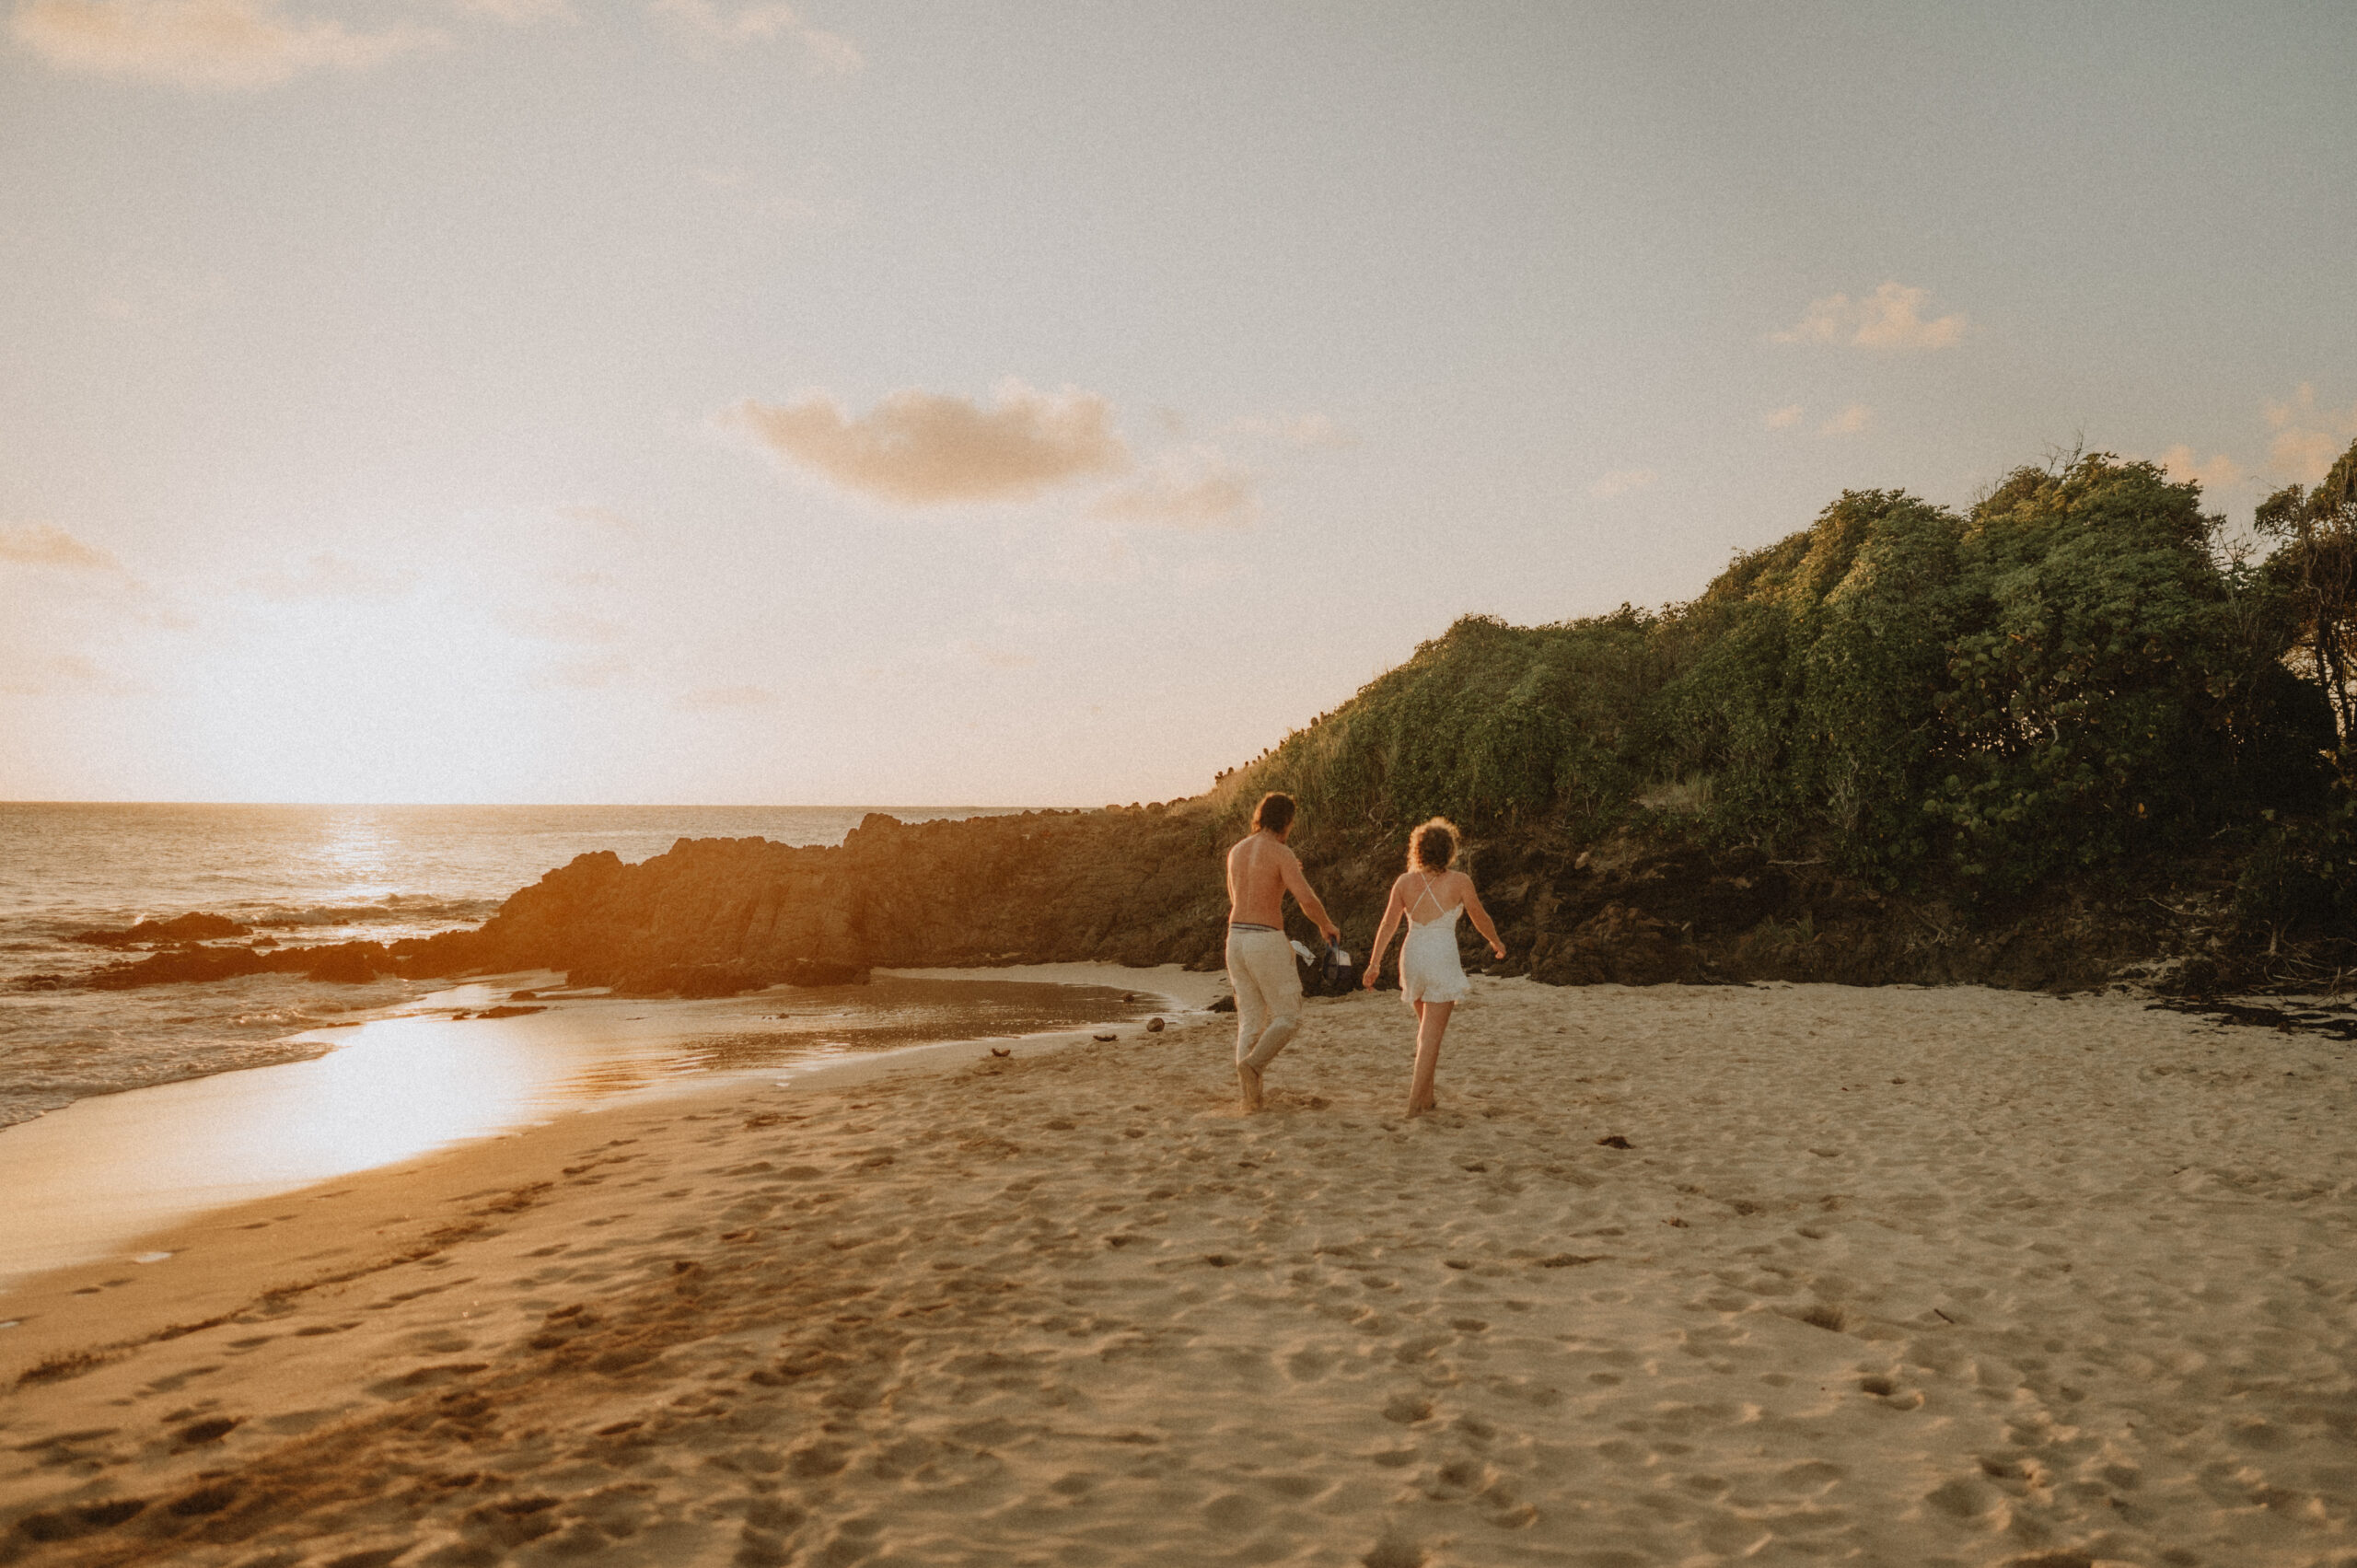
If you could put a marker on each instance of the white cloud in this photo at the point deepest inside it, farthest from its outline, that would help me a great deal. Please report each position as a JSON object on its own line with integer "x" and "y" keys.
{"x": 48, "y": 675}
{"x": 1193, "y": 487}
{"x": 763, "y": 21}
{"x": 2308, "y": 439}
{"x": 95, "y": 576}
{"x": 1783, "y": 418}
{"x": 331, "y": 577}
{"x": 225, "y": 45}
{"x": 921, "y": 448}
{"x": 1891, "y": 318}
{"x": 1307, "y": 430}
{"x": 1849, "y": 422}
{"x": 1619, "y": 482}
{"x": 725, "y": 699}
{"x": 40, "y": 544}
{"x": 2179, "y": 462}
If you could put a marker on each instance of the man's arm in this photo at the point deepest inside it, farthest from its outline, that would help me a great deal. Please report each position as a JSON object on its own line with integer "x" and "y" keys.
{"x": 1299, "y": 885}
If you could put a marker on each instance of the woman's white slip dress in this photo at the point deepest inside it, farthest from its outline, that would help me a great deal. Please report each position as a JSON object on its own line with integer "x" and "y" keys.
{"x": 1428, "y": 967}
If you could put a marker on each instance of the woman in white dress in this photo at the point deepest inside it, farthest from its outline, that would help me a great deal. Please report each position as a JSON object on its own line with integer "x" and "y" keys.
{"x": 1429, "y": 897}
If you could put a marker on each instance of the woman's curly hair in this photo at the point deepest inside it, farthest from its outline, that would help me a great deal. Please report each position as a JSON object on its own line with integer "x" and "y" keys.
{"x": 1432, "y": 846}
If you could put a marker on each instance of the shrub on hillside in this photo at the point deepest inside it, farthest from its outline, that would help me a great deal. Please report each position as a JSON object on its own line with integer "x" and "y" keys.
{"x": 1489, "y": 723}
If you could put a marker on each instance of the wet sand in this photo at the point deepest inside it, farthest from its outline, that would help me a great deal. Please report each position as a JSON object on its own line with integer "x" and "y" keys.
{"x": 437, "y": 1072}
{"x": 1943, "y": 1278}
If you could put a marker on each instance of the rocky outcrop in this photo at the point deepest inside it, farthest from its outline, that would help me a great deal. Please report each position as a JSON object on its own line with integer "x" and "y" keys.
{"x": 347, "y": 963}
{"x": 716, "y": 914}
{"x": 195, "y": 926}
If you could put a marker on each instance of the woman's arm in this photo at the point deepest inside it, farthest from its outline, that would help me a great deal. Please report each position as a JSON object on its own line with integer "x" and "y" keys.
{"x": 1481, "y": 919}
{"x": 1392, "y": 910}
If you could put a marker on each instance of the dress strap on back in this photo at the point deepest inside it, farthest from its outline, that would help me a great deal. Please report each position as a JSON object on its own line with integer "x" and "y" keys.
{"x": 1427, "y": 893}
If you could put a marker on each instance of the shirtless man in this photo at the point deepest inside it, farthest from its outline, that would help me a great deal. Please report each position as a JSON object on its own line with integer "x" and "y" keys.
{"x": 1260, "y": 871}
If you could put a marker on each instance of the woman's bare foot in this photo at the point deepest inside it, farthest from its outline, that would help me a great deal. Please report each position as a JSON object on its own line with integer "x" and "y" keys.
{"x": 1248, "y": 1077}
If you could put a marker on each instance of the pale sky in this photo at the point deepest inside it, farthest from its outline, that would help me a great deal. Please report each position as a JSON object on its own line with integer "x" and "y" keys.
{"x": 704, "y": 401}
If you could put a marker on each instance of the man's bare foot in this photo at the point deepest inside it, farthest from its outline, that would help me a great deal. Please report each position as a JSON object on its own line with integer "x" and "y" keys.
{"x": 1248, "y": 1078}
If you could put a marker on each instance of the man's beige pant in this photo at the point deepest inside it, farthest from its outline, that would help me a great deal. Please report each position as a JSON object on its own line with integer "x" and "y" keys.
{"x": 1268, "y": 994}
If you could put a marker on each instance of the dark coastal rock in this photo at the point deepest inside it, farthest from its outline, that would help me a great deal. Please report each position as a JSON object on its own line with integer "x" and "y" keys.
{"x": 345, "y": 963}
{"x": 195, "y": 926}
{"x": 685, "y": 980}
{"x": 350, "y": 963}
{"x": 180, "y": 964}
{"x": 1618, "y": 944}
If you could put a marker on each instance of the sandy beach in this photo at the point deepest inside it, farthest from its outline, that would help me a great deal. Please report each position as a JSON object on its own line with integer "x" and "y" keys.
{"x": 1898, "y": 1276}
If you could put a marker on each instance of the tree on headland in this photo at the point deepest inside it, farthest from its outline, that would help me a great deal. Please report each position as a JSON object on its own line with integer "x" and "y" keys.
{"x": 2315, "y": 562}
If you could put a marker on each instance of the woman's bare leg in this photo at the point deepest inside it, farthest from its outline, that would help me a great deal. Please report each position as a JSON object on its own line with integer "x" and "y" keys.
{"x": 1413, "y": 1107}
{"x": 1429, "y": 1101}
{"x": 1431, "y": 1022}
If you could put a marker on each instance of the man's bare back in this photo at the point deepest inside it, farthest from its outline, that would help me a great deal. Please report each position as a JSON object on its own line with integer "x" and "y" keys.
{"x": 1260, "y": 871}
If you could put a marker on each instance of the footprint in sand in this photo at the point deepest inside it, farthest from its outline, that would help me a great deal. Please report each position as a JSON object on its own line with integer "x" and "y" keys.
{"x": 197, "y": 1434}
{"x": 1822, "y": 1315}
{"x": 1394, "y": 1551}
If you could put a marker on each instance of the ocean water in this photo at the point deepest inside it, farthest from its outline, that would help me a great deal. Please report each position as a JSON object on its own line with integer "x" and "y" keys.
{"x": 306, "y": 874}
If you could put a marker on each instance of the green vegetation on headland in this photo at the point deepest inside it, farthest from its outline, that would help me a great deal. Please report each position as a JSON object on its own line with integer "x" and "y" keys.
{"x": 2079, "y": 675}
